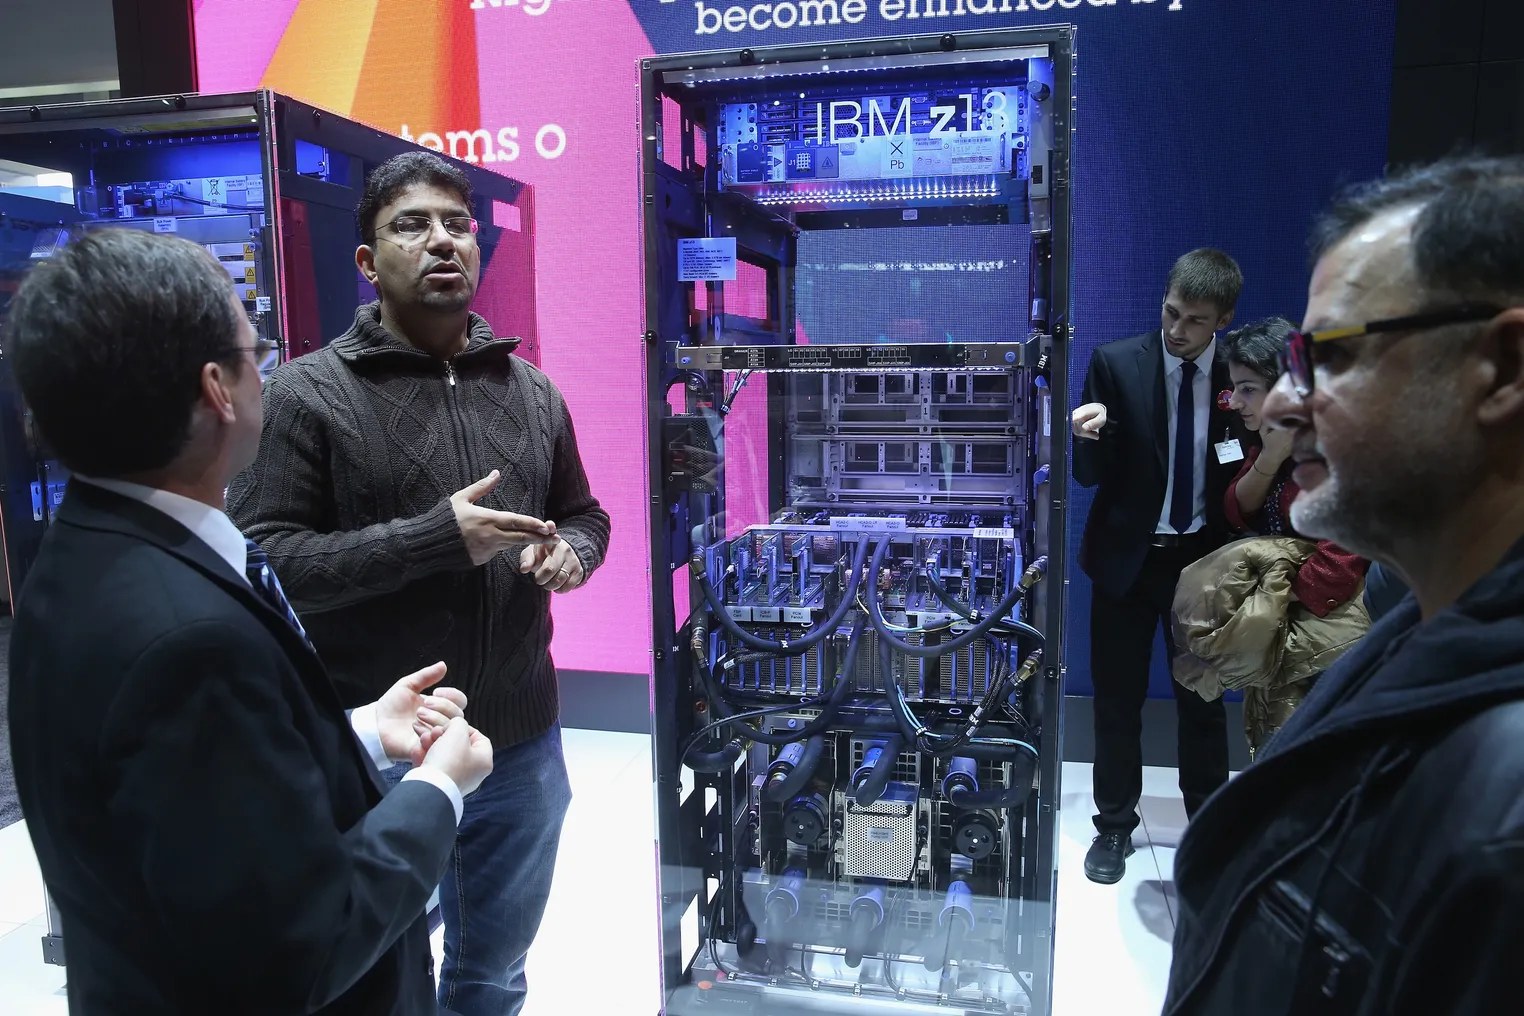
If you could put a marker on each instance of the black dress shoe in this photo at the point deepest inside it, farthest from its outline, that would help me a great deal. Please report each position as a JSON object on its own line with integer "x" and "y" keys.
{"x": 1106, "y": 861}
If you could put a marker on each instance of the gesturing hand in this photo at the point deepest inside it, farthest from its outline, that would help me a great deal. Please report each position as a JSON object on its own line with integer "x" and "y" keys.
{"x": 556, "y": 566}
{"x": 409, "y": 721}
{"x": 488, "y": 532}
{"x": 1088, "y": 421}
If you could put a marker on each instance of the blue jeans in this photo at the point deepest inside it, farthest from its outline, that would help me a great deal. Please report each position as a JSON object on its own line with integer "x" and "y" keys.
{"x": 495, "y": 889}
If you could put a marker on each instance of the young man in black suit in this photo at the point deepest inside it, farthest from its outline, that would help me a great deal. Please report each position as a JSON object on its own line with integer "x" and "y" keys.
{"x": 210, "y": 825}
{"x": 1154, "y": 435}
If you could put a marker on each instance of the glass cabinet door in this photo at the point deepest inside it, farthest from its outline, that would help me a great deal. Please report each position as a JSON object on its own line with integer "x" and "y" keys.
{"x": 857, "y": 287}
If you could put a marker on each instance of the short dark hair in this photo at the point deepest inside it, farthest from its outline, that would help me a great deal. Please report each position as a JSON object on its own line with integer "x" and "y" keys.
{"x": 108, "y": 339}
{"x": 396, "y": 175}
{"x": 1466, "y": 238}
{"x": 1257, "y": 346}
{"x": 1209, "y": 275}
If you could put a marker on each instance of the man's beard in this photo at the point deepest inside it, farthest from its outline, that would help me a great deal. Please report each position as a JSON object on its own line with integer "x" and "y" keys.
{"x": 1397, "y": 486}
{"x": 1350, "y": 514}
{"x": 445, "y": 301}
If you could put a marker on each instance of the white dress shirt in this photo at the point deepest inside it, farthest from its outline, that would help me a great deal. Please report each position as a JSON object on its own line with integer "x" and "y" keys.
{"x": 1201, "y": 390}
{"x": 217, "y": 531}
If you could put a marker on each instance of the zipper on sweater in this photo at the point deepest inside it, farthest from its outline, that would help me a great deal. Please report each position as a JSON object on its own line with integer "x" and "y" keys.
{"x": 458, "y": 424}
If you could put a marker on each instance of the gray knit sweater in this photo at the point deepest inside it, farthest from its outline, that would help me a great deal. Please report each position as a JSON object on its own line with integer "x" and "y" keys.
{"x": 364, "y": 442}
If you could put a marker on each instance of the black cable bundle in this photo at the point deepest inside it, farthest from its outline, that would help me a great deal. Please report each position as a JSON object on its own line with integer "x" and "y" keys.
{"x": 940, "y": 744}
{"x": 725, "y": 757}
{"x": 980, "y": 627}
{"x": 774, "y": 646}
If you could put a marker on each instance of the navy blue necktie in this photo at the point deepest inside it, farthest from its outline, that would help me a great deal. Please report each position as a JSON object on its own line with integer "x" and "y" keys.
{"x": 262, "y": 578}
{"x": 1182, "y": 504}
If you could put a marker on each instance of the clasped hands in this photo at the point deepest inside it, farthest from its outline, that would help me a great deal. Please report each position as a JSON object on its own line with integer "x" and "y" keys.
{"x": 425, "y": 725}
{"x": 488, "y": 532}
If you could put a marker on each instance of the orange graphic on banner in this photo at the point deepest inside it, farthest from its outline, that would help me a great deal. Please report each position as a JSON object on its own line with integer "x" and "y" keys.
{"x": 382, "y": 62}
{"x": 322, "y": 51}
{"x": 420, "y": 66}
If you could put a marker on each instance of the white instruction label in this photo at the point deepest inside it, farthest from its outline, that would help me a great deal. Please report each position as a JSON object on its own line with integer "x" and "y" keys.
{"x": 262, "y": 304}
{"x": 868, "y": 525}
{"x": 166, "y": 224}
{"x": 220, "y": 189}
{"x": 706, "y": 259}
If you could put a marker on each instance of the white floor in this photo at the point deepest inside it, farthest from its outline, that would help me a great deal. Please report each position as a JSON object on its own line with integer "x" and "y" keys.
{"x": 1112, "y": 945}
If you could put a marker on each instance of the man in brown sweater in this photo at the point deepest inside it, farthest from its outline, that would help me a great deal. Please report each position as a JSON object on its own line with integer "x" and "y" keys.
{"x": 420, "y": 495}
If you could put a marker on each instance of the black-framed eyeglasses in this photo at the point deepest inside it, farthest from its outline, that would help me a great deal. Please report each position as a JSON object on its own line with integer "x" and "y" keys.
{"x": 1297, "y": 359}
{"x": 412, "y": 230}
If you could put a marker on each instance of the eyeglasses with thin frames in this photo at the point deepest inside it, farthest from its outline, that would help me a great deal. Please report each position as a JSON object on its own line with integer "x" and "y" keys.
{"x": 1297, "y": 357}
{"x": 261, "y": 349}
{"x": 412, "y": 230}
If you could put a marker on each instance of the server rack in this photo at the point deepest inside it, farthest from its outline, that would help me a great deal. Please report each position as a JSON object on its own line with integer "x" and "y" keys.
{"x": 857, "y": 330}
{"x": 266, "y": 182}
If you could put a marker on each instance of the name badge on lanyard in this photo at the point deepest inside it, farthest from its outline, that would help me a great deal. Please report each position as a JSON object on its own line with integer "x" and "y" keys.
{"x": 1229, "y": 450}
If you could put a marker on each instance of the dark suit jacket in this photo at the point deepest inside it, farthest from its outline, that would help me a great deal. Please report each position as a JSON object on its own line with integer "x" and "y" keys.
{"x": 1130, "y": 460}
{"x": 211, "y": 830}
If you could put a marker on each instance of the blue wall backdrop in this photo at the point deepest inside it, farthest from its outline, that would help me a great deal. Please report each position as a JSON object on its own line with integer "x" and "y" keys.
{"x": 1224, "y": 123}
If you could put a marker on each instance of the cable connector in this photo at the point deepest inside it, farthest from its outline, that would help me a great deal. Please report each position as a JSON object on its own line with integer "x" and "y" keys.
{"x": 1034, "y": 573}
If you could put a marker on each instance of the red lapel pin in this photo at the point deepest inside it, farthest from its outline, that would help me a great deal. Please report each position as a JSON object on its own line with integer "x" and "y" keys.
{"x": 1225, "y": 400}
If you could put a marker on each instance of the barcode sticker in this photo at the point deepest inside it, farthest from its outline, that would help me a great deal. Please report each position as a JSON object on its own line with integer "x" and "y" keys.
{"x": 994, "y": 534}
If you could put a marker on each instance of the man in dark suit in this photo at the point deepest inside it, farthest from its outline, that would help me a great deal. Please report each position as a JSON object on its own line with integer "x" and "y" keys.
{"x": 210, "y": 825}
{"x": 1156, "y": 438}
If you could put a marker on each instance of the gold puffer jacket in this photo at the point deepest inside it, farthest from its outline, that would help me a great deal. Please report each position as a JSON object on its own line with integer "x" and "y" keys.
{"x": 1238, "y": 627}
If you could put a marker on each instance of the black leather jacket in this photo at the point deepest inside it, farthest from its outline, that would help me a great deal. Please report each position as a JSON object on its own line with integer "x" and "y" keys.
{"x": 1392, "y": 808}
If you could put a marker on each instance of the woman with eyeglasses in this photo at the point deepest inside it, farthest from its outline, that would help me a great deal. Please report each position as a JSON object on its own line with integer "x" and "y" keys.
{"x": 1267, "y": 614}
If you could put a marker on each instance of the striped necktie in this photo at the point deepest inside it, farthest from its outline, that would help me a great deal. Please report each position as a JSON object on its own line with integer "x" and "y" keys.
{"x": 262, "y": 578}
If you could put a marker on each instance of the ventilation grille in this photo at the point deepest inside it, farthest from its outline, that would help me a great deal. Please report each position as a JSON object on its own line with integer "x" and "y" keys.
{"x": 961, "y": 677}
{"x": 789, "y": 675}
{"x": 881, "y": 842}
